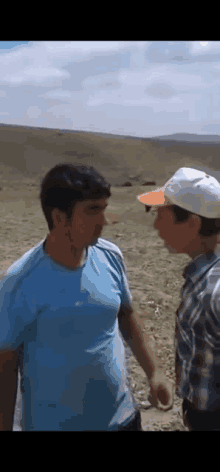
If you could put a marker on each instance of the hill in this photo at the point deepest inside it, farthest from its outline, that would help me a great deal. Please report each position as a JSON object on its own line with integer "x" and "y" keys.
{"x": 30, "y": 152}
{"x": 188, "y": 137}
{"x": 154, "y": 276}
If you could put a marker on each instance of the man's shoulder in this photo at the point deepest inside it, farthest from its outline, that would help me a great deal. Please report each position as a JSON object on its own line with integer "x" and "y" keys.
{"x": 211, "y": 291}
{"x": 213, "y": 275}
{"x": 18, "y": 270}
{"x": 108, "y": 245}
{"x": 113, "y": 254}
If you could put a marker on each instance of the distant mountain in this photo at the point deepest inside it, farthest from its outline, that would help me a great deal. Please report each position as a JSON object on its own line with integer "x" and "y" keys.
{"x": 72, "y": 131}
{"x": 180, "y": 137}
{"x": 199, "y": 138}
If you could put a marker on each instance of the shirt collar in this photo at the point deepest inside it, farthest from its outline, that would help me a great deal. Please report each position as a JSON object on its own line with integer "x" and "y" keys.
{"x": 199, "y": 265}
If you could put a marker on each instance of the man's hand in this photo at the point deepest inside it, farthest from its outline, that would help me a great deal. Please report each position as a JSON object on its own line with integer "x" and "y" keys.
{"x": 132, "y": 330}
{"x": 161, "y": 391}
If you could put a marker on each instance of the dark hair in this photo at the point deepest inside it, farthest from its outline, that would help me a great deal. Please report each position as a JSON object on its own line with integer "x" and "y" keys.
{"x": 209, "y": 226}
{"x": 66, "y": 184}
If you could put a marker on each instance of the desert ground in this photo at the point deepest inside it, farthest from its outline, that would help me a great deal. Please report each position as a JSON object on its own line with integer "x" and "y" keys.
{"x": 155, "y": 276}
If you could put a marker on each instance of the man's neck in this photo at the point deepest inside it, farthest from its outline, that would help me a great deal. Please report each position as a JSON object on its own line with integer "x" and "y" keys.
{"x": 68, "y": 258}
{"x": 203, "y": 250}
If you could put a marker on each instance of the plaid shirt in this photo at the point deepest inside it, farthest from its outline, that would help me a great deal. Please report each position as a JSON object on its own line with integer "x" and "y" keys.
{"x": 197, "y": 337}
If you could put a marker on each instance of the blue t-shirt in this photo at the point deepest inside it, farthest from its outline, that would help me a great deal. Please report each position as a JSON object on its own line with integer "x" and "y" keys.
{"x": 73, "y": 371}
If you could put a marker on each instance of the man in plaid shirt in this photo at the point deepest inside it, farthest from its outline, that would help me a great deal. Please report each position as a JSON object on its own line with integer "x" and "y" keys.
{"x": 188, "y": 220}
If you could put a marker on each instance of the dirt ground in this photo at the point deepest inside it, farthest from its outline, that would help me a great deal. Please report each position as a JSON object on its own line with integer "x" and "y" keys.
{"x": 154, "y": 276}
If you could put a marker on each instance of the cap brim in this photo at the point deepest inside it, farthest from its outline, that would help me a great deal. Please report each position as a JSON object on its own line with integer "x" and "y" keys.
{"x": 156, "y": 197}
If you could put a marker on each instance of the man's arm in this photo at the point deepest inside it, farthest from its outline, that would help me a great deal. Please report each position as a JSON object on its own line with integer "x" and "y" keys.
{"x": 131, "y": 328}
{"x": 8, "y": 388}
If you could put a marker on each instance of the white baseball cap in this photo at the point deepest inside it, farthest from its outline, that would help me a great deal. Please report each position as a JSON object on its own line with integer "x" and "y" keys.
{"x": 191, "y": 189}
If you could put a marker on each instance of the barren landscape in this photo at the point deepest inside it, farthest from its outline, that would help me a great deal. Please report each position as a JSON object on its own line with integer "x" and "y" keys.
{"x": 155, "y": 276}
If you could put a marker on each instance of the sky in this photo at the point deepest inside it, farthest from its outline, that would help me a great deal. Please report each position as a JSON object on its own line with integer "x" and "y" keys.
{"x": 131, "y": 88}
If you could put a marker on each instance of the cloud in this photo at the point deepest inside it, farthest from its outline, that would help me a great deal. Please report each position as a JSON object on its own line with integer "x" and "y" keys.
{"x": 34, "y": 112}
{"x": 135, "y": 85}
{"x": 183, "y": 52}
{"x": 35, "y": 76}
{"x": 197, "y": 48}
{"x": 96, "y": 101}
{"x": 106, "y": 81}
{"x": 58, "y": 94}
{"x": 161, "y": 90}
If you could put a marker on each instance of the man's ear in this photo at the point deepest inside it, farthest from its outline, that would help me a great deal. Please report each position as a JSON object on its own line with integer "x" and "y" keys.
{"x": 57, "y": 216}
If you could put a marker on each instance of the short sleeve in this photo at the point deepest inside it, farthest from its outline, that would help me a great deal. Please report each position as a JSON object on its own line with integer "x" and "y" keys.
{"x": 126, "y": 297}
{"x": 215, "y": 303}
{"x": 11, "y": 317}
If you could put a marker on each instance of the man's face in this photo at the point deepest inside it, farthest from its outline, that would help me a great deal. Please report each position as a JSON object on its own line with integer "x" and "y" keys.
{"x": 87, "y": 222}
{"x": 179, "y": 238}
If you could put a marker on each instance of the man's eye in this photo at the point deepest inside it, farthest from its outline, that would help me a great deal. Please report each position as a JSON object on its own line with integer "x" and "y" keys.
{"x": 96, "y": 209}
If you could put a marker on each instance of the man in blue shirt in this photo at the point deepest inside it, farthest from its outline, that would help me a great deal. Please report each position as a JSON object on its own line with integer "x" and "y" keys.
{"x": 64, "y": 306}
{"x": 188, "y": 220}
